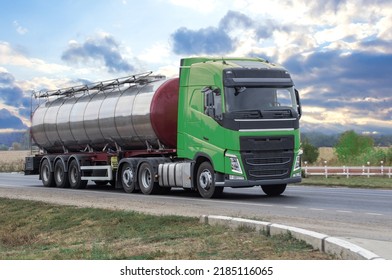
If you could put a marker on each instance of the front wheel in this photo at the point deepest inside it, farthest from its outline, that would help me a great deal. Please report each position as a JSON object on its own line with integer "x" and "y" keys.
{"x": 205, "y": 181}
{"x": 274, "y": 190}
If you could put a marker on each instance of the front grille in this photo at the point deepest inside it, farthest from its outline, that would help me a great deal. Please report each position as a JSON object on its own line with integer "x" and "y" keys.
{"x": 268, "y": 173}
{"x": 268, "y": 157}
{"x": 267, "y": 161}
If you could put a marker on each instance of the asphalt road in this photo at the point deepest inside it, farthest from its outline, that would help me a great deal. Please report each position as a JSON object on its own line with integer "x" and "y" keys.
{"x": 361, "y": 216}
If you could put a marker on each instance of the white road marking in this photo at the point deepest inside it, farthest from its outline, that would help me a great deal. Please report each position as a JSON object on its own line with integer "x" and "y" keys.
{"x": 291, "y": 207}
{"x": 374, "y": 214}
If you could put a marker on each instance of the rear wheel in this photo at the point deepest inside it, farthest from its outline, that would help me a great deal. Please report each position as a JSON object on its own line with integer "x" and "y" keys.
{"x": 146, "y": 178}
{"x": 45, "y": 174}
{"x": 128, "y": 178}
{"x": 274, "y": 190}
{"x": 75, "y": 176}
{"x": 205, "y": 181}
{"x": 60, "y": 176}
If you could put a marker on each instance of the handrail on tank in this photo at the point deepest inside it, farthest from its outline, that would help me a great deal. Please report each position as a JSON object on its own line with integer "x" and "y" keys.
{"x": 141, "y": 78}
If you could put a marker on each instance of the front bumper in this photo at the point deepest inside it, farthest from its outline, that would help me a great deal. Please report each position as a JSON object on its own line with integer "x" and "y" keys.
{"x": 252, "y": 183}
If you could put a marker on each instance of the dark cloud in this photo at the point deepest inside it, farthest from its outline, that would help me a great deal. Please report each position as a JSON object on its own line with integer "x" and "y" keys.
{"x": 234, "y": 20}
{"x": 8, "y": 120}
{"x": 6, "y": 78}
{"x": 217, "y": 40}
{"x": 208, "y": 40}
{"x": 376, "y": 43}
{"x": 358, "y": 82}
{"x": 363, "y": 73}
{"x": 102, "y": 48}
{"x": 12, "y": 95}
{"x": 319, "y": 8}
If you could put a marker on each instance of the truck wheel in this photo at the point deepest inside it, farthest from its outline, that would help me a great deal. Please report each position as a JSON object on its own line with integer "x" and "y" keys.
{"x": 75, "y": 175}
{"x": 274, "y": 190}
{"x": 128, "y": 178}
{"x": 146, "y": 178}
{"x": 206, "y": 181}
{"x": 60, "y": 176}
{"x": 46, "y": 175}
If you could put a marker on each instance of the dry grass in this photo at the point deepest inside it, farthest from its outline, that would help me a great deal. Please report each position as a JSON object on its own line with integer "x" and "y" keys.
{"x": 35, "y": 230}
{"x": 326, "y": 154}
{"x": 12, "y": 161}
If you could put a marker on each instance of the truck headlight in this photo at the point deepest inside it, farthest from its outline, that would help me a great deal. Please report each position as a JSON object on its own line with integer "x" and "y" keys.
{"x": 234, "y": 163}
{"x": 297, "y": 164}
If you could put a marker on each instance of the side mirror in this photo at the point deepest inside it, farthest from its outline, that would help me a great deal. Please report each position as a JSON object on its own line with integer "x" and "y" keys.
{"x": 209, "y": 101}
{"x": 299, "y": 107}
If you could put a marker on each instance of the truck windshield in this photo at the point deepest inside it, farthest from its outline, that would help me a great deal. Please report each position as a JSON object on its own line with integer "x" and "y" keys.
{"x": 240, "y": 99}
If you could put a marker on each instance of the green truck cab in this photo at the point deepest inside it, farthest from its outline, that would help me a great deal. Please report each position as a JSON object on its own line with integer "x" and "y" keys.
{"x": 238, "y": 121}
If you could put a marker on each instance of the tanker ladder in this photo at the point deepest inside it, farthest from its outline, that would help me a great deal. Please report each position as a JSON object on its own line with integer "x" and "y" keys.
{"x": 142, "y": 78}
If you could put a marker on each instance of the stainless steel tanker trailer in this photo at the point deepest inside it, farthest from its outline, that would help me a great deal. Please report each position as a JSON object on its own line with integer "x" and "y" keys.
{"x": 149, "y": 133}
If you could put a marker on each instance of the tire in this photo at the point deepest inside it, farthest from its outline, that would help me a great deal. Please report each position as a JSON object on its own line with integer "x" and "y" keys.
{"x": 145, "y": 178}
{"x": 46, "y": 175}
{"x": 205, "y": 181}
{"x": 60, "y": 176}
{"x": 274, "y": 190}
{"x": 74, "y": 176}
{"x": 128, "y": 178}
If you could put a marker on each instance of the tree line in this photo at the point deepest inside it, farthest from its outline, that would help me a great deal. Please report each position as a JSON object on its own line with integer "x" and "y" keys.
{"x": 352, "y": 148}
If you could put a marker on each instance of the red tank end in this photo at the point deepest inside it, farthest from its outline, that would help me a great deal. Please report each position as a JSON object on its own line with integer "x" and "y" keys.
{"x": 163, "y": 112}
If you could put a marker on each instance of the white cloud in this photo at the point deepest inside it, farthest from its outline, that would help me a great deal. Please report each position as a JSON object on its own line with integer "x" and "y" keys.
{"x": 8, "y": 56}
{"x": 159, "y": 53}
{"x": 384, "y": 25}
{"x": 282, "y": 11}
{"x": 20, "y": 29}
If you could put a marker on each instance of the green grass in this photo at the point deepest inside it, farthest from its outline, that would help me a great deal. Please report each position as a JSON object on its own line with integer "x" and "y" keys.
{"x": 352, "y": 182}
{"x": 35, "y": 230}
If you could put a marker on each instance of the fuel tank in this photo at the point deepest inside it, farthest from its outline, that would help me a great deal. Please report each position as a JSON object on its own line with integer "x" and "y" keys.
{"x": 132, "y": 117}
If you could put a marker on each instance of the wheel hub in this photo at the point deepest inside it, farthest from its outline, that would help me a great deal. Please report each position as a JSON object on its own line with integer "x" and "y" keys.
{"x": 128, "y": 177}
{"x": 205, "y": 179}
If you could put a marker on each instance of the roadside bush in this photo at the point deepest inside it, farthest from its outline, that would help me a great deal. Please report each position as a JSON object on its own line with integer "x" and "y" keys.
{"x": 352, "y": 146}
{"x": 311, "y": 152}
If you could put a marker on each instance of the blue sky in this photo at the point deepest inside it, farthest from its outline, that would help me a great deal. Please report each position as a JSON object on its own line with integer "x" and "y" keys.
{"x": 339, "y": 52}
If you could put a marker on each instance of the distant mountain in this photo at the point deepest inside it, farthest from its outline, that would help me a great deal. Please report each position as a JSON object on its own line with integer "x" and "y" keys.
{"x": 6, "y": 139}
{"x": 329, "y": 140}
